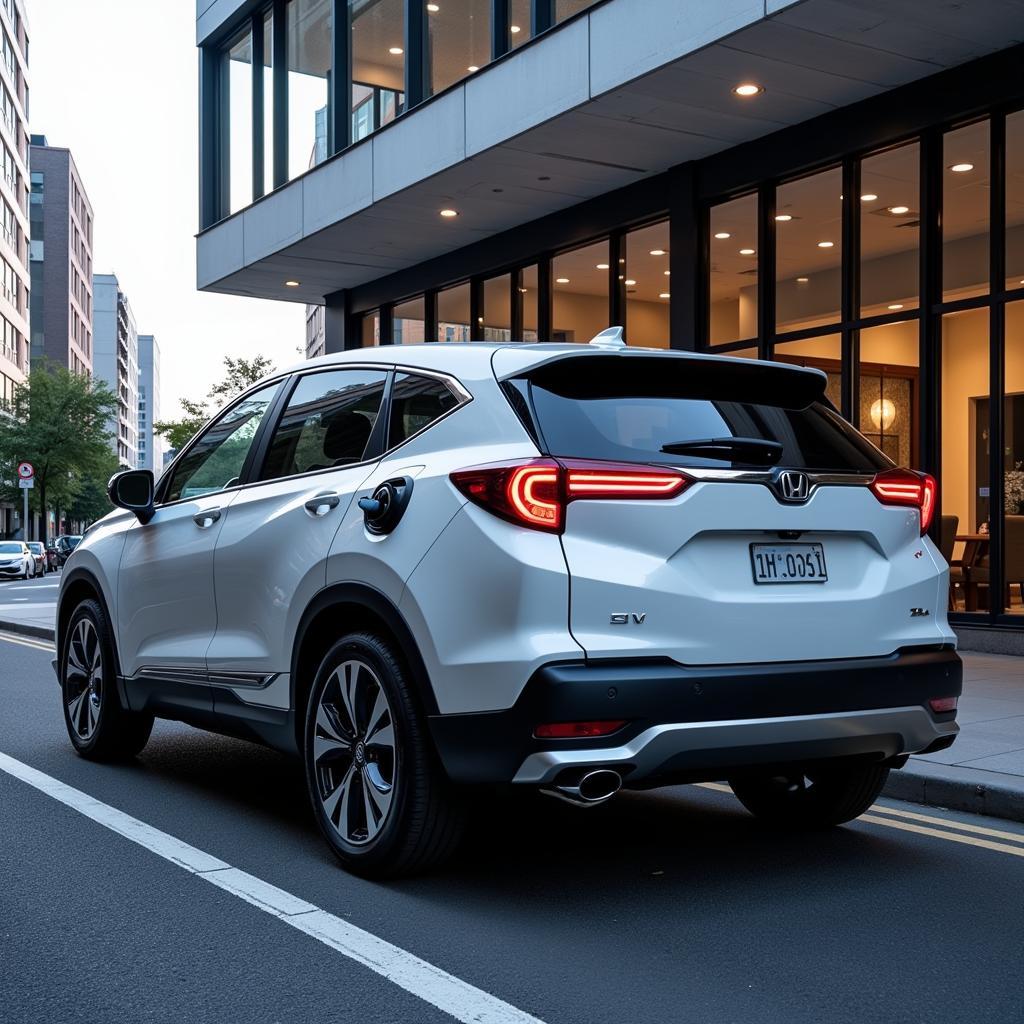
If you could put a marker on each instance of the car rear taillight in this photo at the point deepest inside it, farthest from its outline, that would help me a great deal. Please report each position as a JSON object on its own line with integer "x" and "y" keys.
{"x": 904, "y": 487}
{"x": 942, "y": 705}
{"x": 535, "y": 493}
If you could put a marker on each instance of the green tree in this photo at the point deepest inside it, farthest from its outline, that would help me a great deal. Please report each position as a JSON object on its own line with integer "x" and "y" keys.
{"x": 58, "y": 421}
{"x": 239, "y": 374}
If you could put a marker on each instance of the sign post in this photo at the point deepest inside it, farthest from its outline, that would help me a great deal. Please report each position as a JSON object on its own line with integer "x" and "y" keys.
{"x": 26, "y": 481}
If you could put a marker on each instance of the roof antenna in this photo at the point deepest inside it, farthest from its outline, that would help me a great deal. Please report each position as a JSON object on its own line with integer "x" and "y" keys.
{"x": 611, "y": 338}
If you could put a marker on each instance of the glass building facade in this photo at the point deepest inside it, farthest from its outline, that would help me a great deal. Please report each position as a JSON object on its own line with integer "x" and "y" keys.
{"x": 882, "y": 242}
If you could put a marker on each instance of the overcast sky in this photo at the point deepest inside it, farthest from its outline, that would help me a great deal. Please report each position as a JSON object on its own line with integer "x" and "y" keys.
{"x": 115, "y": 81}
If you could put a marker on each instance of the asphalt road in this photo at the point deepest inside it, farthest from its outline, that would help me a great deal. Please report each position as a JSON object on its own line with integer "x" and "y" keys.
{"x": 30, "y": 601}
{"x": 655, "y": 908}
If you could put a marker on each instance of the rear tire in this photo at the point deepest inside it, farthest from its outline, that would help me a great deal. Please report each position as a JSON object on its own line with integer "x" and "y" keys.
{"x": 379, "y": 795}
{"x": 100, "y": 729}
{"x": 821, "y": 798}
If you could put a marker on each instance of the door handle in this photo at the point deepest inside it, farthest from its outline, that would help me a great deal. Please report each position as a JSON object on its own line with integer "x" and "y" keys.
{"x": 205, "y": 519}
{"x": 322, "y": 504}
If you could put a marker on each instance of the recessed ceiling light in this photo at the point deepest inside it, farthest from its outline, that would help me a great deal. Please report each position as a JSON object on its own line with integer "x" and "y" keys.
{"x": 665, "y": 295}
{"x": 602, "y": 266}
{"x": 291, "y": 284}
{"x": 722, "y": 234}
{"x": 899, "y": 210}
{"x": 896, "y": 305}
{"x": 803, "y": 280}
{"x": 748, "y": 89}
{"x": 472, "y": 67}
{"x": 668, "y": 273}
{"x": 561, "y": 280}
{"x": 783, "y": 217}
{"x": 433, "y": 8}
{"x": 514, "y": 29}
{"x": 449, "y": 213}
{"x": 747, "y": 252}
{"x": 630, "y": 282}
{"x": 961, "y": 168}
{"x": 825, "y": 245}
{"x": 868, "y": 197}
{"x": 396, "y": 51}
{"x": 657, "y": 252}
{"x": 524, "y": 290}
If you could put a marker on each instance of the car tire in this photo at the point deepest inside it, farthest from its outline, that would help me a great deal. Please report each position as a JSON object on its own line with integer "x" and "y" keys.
{"x": 821, "y": 798}
{"x": 99, "y": 727}
{"x": 379, "y": 794}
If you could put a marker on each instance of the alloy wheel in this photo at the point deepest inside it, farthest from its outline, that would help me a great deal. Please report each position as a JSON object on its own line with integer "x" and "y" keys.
{"x": 83, "y": 679}
{"x": 354, "y": 753}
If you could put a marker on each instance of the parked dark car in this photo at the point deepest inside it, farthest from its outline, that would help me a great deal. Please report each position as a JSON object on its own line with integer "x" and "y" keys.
{"x": 65, "y": 545}
{"x": 39, "y": 558}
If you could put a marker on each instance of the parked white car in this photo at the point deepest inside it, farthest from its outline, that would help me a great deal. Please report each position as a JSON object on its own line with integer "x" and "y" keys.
{"x": 16, "y": 561}
{"x": 429, "y": 569}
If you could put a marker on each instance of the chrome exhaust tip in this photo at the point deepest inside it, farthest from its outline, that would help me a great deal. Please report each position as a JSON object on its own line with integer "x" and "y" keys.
{"x": 593, "y": 787}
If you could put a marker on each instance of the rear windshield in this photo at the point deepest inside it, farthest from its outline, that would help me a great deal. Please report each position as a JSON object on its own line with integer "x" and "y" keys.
{"x": 631, "y": 408}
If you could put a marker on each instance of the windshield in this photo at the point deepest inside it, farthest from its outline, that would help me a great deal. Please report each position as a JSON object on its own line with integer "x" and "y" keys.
{"x": 72, "y": 542}
{"x": 35, "y": 547}
{"x": 10, "y": 549}
{"x": 668, "y": 410}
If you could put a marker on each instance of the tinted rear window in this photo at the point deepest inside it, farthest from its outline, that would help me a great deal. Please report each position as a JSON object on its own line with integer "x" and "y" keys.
{"x": 629, "y": 408}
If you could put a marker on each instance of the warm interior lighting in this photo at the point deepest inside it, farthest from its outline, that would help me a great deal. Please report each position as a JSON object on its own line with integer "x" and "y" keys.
{"x": 630, "y": 281}
{"x": 665, "y": 295}
{"x": 668, "y": 273}
{"x": 825, "y": 245}
{"x": 868, "y": 197}
{"x": 433, "y": 8}
{"x": 783, "y": 217}
{"x": 396, "y": 51}
{"x": 449, "y": 213}
{"x": 291, "y": 284}
{"x": 961, "y": 168}
{"x": 657, "y": 252}
{"x": 895, "y": 305}
{"x": 514, "y": 29}
{"x": 561, "y": 280}
{"x": 472, "y": 67}
{"x": 883, "y": 413}
{"x": 748, "y": 89}
{"x": 722, "y": 234}
{"x": 747, "y": 252}
{"x": 802, "y": 280}
{"x": 899, "y": 210}
{"x": 602, "y": 266}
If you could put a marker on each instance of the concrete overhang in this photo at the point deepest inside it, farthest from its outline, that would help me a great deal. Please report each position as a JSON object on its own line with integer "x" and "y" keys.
{"x": 622, "y": 93}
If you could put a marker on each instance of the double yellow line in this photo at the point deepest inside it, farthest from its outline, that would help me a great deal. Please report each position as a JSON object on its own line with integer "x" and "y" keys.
{"x": 950, "y": 830}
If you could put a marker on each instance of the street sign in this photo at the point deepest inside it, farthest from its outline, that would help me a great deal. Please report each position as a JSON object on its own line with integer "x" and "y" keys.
{"x": 25, "y": 471}
{"x": 26, "y": 484}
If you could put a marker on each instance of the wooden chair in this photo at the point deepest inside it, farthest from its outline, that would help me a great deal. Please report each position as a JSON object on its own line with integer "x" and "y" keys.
{"x": 1013, "y": 560}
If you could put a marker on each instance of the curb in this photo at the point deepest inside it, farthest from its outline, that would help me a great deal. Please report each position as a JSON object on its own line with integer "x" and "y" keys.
{"x": 974, "y": 790}
{"x": 27, "y": 629}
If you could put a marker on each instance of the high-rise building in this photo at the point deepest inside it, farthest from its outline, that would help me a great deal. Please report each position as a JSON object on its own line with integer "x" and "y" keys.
{"x": 837, "y": 183}
{"x": 14, "y": 226}
{"x": 116, "y": 361}
{"x": 61, "y": 259}
{"x": 151, "y": 445}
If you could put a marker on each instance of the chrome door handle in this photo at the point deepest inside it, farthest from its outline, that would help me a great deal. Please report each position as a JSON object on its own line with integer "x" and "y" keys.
{"x": 205, "y": 519}
{"x": 322, "y": 504}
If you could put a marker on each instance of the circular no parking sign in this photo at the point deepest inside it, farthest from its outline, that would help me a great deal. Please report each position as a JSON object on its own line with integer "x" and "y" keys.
{"x": 25, "y": 471}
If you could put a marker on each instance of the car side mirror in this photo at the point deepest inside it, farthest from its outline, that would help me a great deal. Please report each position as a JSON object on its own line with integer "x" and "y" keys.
{"x": 133, "y": 489}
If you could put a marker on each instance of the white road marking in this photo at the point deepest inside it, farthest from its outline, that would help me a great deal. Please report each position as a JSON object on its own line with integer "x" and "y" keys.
{"x": 449, "y": 994}
{"x": 26, "y": 641}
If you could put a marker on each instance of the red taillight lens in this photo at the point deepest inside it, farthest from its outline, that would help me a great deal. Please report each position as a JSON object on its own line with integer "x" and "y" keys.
{"x": 535, "y": 493}
{"x": 576, "y": 730}
{"x": 903, "y": 487}
{"x": 941, "y": 705}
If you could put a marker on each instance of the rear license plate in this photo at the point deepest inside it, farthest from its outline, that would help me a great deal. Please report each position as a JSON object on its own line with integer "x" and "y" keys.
{"x": 788, "y": 563}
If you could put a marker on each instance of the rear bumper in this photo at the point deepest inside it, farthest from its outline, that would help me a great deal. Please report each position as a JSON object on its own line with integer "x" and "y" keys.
{"x": 690, "y": 722}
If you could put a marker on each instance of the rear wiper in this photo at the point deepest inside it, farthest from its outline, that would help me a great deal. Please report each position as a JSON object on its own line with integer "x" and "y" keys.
{"x": 729, "y": 449}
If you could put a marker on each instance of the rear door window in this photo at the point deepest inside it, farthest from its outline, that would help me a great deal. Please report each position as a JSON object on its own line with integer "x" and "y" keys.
{"x": 327, "y": 422}
{"x": 633, "y": 408}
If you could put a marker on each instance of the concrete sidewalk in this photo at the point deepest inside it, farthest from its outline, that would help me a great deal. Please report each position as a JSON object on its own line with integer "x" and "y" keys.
{"x": 983, "y": 772}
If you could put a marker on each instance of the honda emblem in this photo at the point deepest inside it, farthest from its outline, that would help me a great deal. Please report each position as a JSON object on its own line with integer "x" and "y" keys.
{"x": 794, "y": 486}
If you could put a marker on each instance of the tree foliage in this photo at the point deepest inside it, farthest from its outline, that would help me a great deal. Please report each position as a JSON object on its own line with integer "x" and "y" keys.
{"x": 58, "y": 421}
{"x": 239, "y": 374}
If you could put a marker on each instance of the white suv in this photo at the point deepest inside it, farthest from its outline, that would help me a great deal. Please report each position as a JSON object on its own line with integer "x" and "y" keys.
{"x": 434, "y": 568}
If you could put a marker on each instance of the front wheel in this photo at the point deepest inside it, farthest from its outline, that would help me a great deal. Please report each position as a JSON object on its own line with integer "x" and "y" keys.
{"x": 819, "y": 798}
{"x": 380, "y": 798}
{"x": 99, "y": 727}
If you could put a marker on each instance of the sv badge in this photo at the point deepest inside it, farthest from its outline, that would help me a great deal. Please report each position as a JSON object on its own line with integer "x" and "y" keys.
{"x": 623, "y": 618}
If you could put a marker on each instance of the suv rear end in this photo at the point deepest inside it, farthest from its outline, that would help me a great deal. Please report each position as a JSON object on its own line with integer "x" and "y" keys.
{"x": 751, "y": 586}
